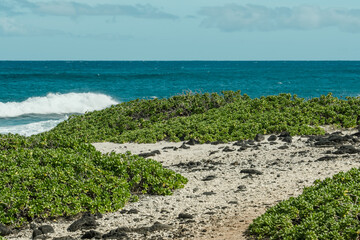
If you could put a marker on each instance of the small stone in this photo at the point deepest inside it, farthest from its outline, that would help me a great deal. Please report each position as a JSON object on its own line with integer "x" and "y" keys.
{"x": 185, "y": 216}
{"x": 92, "y": 234}
{"x": 36, "y": 233}
{"x": 183, "y": 146}
{"x": 272, "y": 138}
{"x": 46, "y": 229}
{"x": 64, "y": 238}
{"x": 283, "y": 147}
{"x": 228, "y": 149}
{"x": 251, "y": 171}
{"x": 192, "y": 142}
{"x": 209, "y": 193}
{"x": 259, "y": 137}
{"x": 133, "y": 211}
{"x": 86, "y": 222}
{"x": 234, "y": 202}
{"x": 209, "y": 178}
{"x": 241, "y": 188}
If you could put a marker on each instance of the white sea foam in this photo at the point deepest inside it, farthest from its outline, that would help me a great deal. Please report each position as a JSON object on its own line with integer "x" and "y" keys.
{"x": 31, "y": 128}
{"x": 57, "y": 104}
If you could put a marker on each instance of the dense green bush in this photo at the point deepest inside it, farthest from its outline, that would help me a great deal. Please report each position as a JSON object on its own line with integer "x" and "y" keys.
{"x": 329, "y": 209}
{"x": 210, "y": 117}
{"x": 41, "y": 178}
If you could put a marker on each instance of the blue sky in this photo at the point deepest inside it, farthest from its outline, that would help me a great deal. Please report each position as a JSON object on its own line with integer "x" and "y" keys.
{"x": 179, "y": 30}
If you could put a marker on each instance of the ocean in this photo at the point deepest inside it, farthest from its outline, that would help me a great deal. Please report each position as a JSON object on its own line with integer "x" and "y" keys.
{"x": 37, "y": 95}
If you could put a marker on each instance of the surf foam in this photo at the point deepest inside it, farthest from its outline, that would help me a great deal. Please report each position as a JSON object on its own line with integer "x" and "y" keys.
{"x": 31, "y": 128}
{"x": 57, "y": 104}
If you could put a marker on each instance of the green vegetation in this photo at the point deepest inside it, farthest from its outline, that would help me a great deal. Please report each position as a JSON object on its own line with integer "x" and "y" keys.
{"x": 58, "y": 173}
{"x": 211, "y": 117}
{"x": 329, "y": 209}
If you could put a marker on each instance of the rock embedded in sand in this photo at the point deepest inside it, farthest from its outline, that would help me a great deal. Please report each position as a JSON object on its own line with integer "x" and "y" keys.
{"x": 228, "y": 149}
{"x": 347, "y": 149}
{"x": 183, "y": 146}
{"x": 251, "y": 171}
{"x": 64, "y": 238}
{"x": 149, "y": 154}
{"x": 325, "y": 158}
{"x": 272, "y": 138}
{"x": 92, "y": 234}
{"x": 85, "y": 222}
{"x": 259, "y": 137}
{"x": 209, "y": 178}
{"x": 185, "y": 216}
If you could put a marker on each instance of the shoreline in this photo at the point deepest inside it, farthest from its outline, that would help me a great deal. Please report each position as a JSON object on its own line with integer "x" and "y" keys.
{"x": 229, "y": 185}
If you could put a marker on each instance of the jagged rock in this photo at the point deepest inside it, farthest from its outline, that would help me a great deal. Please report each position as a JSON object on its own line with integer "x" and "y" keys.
{"x": 85, "y": 222}
{"x": 325, "y": 158}
{"x": 46, "y": 229}
{"x": 251, "y": 171}
{"x": 64, "y": 238}
{"x": 149, "y": 154}
{"x": 183, "y": 146}
{"x": 92, "y": 234}
{"x": 272, "y": 138}
{"x": 259, "y": 137}
{"x": 347, "y": 149}
{"x": 133, "y": 211}
{"x": 228, "y": 149}
{"x": 209, "y": 178}
{"x": 287, "y": 139}
{"x": 192, "y": 142}
{"x": 36, "y": 233}
{"x": 185, "y": 216}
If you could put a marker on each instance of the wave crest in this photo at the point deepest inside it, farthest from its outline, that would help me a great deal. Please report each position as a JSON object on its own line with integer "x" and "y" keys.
{"x": 55, "y": 103}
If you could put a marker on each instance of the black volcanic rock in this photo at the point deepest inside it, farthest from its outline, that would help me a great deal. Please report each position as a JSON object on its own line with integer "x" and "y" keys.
{"x": 4, "y": 231}
{"x": 272, "y": 138}
{"x": 347, "y": 149}
{"x": 149, "y": 154}
{"x": 251, "y": 171}
{"x": 85, "y": 222}
{"x": 259, "y": 137}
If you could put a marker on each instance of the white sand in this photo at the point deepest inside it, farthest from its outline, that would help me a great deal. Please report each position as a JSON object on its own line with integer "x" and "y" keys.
{"x": 227, "y": 213}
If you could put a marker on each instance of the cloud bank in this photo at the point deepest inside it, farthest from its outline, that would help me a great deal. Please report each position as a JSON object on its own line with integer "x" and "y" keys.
{"x": 75, "y": 9}
{"x": 234, "y": 17}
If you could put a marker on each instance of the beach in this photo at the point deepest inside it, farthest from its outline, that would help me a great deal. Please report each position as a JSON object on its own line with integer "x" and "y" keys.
{"x": 230, "y": 184}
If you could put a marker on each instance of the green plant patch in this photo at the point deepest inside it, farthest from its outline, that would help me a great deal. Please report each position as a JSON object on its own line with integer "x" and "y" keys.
{"x": 329, "y": 209}
{"x": 38, "y": 181}
{"x": 210, "y": 117}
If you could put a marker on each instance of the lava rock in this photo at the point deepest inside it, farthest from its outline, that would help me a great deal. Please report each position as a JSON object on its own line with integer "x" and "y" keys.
{"x": 251, "y": 171}
{"x": 228, "y": 149}
{"x": 259, "y": 137}
{"x": 133, "y": 211}
{"x": 183, "y": 146}
{"x": 36, "y": 233}
{"x": 209, "y": 178}
{"x": 85, "y": 222}
{"x": 92, "y": 234}
{"x": 192, "y": 142}
{"x": 64, "y": 238}
{"x": 113, "y": 234}
{"x": 283, "y": 147}
{"x": 347, "y": 149}
{"x": 4, "y": 231}
{"x": 241, "y": 188}
{"x": 272, "y": 138}
{"x": 325, "y": 158}
{"x": 209, "y": 193}
{"x": 287, "y": 139}
{"x": 284, "y": 134}
{"x": 46, "y": 229}
{"x": 185, "y": 216}
{"x": 149, "y": 154}
{"x": 216, "y": 142}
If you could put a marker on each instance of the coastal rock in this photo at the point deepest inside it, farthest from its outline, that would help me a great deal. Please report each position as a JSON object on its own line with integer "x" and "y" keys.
{"x": 185, "y": 216}
{"x": 183, "y": 146}
{"x": 228, "y": 149}
{"x": 113, "y": 234}
{"x": 347, "y": 149}
{"x": 192, "y": 142}
{"x": 4, "y": 231}
{"x": 149, "y": 154}
{"x": 283, "y": 147}
{"x": 209, "y": 178}
{"x": 259, "y": 137}
{"x": 36, "y": 233}
{"x": 216, "y": 142}
{"x": 241, "y": 188}
{"x": 272, "y": 138}
{"x": 325, "y": 158}
{"x": 287, "y": 139}
{"x": 92, "y": 234}
{"x": 85, "y": 222}
{"x": 284, "y": 134}
{"x": 64, "y": 238}
{"x": 46, "y": 229}
{"x": 209, "y": 193}
{"x": 251, "y": 171}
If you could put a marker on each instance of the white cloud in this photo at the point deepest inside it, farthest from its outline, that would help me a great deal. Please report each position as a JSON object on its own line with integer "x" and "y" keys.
{"x": 234, "y": 17}
{"x": 10, "y": 27}
{"x": 76, "y": 9}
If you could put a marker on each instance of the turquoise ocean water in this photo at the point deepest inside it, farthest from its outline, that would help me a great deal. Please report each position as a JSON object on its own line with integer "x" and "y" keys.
{"x": 36, "y": 96}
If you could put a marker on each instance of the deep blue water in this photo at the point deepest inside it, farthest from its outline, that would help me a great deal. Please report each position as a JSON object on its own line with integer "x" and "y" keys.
{"x": 35, "y": 96}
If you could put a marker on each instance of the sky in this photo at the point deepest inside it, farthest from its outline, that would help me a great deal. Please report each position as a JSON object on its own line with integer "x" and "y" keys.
{"x": 179, "y": 30}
